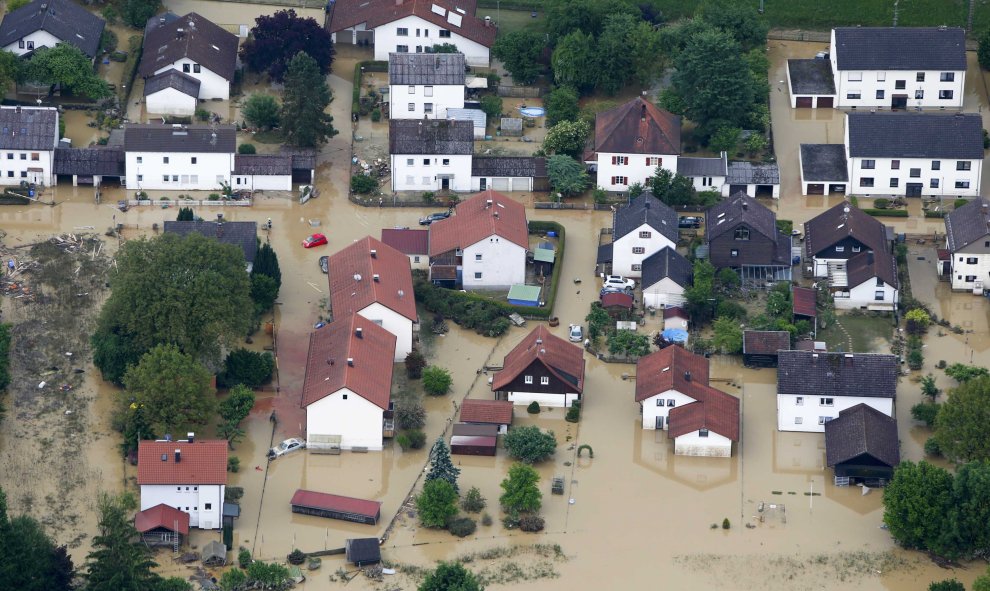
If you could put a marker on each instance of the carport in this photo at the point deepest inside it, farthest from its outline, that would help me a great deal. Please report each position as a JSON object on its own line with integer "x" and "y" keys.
{"x": 823, "y": 169}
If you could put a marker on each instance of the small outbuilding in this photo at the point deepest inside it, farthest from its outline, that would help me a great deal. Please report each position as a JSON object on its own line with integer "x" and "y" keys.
{"x": 511, "y": 126}
{"x": 473, "y": 440}
{"x": 487, "y": 412}
{"x": 215, "y": 554}
{"x": 861, "y": 446}
{"x": 760, "y": 347}
{"x": 811, "y": 83}
{"x": 824, "y": 169}
{"x": 617, "y": 303}
{"x": 524, "y": 295}
{"x": 805, "y": 305}
{"x": 162, "y": 525}
{"x": 362, "y": 551}
{"x": 308, "y": 502}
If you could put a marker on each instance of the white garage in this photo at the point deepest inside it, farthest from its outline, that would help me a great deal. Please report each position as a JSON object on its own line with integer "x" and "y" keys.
{"x": 509, "y": 173}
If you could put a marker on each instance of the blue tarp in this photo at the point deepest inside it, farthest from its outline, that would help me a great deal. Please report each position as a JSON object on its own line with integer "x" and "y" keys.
{"x": 675, "y": 335}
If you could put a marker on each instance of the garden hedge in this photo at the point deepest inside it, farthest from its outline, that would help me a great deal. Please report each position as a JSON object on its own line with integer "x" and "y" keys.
{"x": 887, "y": 213}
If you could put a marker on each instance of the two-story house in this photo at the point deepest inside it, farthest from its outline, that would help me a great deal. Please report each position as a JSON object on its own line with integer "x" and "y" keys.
{"x": 813, "y": 388}
{"x": 631, "y": 141}
{"x": 413, "y": 26}
{"x": 666, "y": 274}
{"x": 348, "y": 383}
{"x": 674, "y": 395}
{"x": 898, "y": 67}
{"x": 46, "y": 23}
{"x": 179, "y": 157}
{"x": 915, "y": 154}
{"x": 188, "y": 475}
{"x": 430, "y": 154}
{"x": 28, "y": 136}
{"x": 967, "y": 238}
{"x": 742, "y": 234}
{"x": 542, "y": 368}
{"x": 640, "y": 229}
{"x": 852, "y": 250}
{"x": 425, "y": 85}
{"x": 482, "y": 246}
{"x": 186, "y": 59}
{"x": 373, "y": 279}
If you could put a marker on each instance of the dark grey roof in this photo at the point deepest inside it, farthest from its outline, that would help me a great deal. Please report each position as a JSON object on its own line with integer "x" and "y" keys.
{"x": 915, "y": 135}
{"x": 900, "y": 48}
{"x": 645, "y": 209}
{"x": 664, "y": 263}
{"x": 430, "y": 136}
{"x": 604, "y": 253}
{"x": 262, "y": 164}
{"x": 241, "y": 234}
{"x": 804, "y": 373}
{"x": 172, "y": 79}
{"x": 89, "y": 161}
{"x": 824, "y": 163}
{"x": 159, "y": 20}
{"x": 687, "y": 166}
{"x": 811, "y": 77}
{"x": 748, "y": 173}
{"x": 968, "y": 224}
{"x": 490, "y": 166}
{"x": 846, "y": 221}
{"x": 191, "y": 36}
{"x": 426, "y": 68}
{"x": 28, "y": 128}
{"x": 66, "y": 20}
{"x": 363, "y": 550}
{"x": 860, "y": 430}
{"x": 740, "y": 209}
{"x": 302, "y": 158}
{"x": 152, "y": 137}
{"x": 116, "y": 139}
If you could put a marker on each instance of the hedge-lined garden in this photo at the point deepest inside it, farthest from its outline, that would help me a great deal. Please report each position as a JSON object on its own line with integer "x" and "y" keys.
{"x": 368, "y": 66}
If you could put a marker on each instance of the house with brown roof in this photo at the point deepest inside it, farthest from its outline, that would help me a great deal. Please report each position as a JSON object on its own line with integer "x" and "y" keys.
{"x": 853, "y": 252}
{"x": 373, "y": 279}
{"x": 742, "y": 235}
{"x": 348, "y": 383}
{"x": 673, "y": 393}
{"x": 760, "y": 347}
{"x": 482, "y": 246}
{"x": 542, "y": 368}
{"x": 413, "y": 243}
{"x": 186, "y": 59}
{"x": 631, "y": 141}
{"x": 412, "y": 26}
{"x": 487, "y": 412}
{"x": 162, "y": 525}
{"x": 187, "y": 475}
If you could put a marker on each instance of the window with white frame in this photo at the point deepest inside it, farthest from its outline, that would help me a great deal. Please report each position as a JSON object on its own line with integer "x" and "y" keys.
{"x": 659, "y": 401}
{"x": 646, "y": 234}
{"x": 477, "y": 275}
{"x": 412, "y": 89}
{"x": 412, "y": 107}
{"x": 444, "y": 34}
{"x": 702, "y": 432}
{"x": 528, "y": 379}
{"x": 426, "y": 180}
{"x": 544, "y": 380}
{"x": 402, "y": 49}
{"x": 855, "y": 76}
{"x": 866, "y": 181}
{"x": 826, "y": 401}
{"x": 962, "y": 184}
{"x": 670, "y": 402}
{"x": 971, "y": 260}
{"x": 620, "y": 180}
{"x": 402, "y": 32}
{"x": 919, "y": 94}
{"x": 620, "y": 160}
{"x": 878, "y": 296}
{"x": 654, "y": 161}
{"x": 964, "y": 165}
{"x": 477, "y": 256}
{"x": 868, "y": 164}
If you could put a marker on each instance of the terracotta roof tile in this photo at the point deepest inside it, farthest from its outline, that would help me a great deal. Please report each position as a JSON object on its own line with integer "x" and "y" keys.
{"x": 497, "y": 412}
{"x": 805, "y": 301}
{"x": 675, "y": 312}
{"x": 474, "y": 220}
{"x": 318, "y": 500}
{"x": 665, "y": 370}
{"x": 765, "y": 342}
{"x": 346, "y": 14}
{"x": 202, "y": 462}
{"x": 327, "y": 370}
{"x": 617, "y": 299}
{"x": 163, "y": 516}
{"x": 563, "y": 359}
{"x": 637, "y": 127}
{"x": 719, "y": 413}
{"x": 352, "y": 279}
{"x": 407, "y": 241}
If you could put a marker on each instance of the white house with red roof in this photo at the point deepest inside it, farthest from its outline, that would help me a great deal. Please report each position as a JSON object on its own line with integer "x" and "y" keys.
{"x": 187, "y": 475}
{"x": 373, "y": 279}
{"x": 413, "y": 26}
{"x": 413, "y": 243}
{"x": 543, "y": 368}
{"x": 674, "y": 395}
{"x": 348, "y": 382}
{"x": 482, "y": 246}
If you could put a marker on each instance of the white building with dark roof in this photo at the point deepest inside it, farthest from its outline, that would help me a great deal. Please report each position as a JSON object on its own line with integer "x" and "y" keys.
{"x": 425, "y": 85}
{"x": 509, "y": 173}
{"x": 755, "y": 179}
{"x": 640, "y": 229}
{"x": 824, "y": 169}
{"x": 707, "y": 174}
{"x": 431, "y": 154}
{"x": 262, "y": 172}
{"x": 46, "y": 23}
{"x": 179, "y": 157}
{"x": 967, "y": 238}
{"x": 28, "y": 136}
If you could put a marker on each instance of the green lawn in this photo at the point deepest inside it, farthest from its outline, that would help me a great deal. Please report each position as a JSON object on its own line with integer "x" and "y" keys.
{"x": 511, "y": 20}
{"x": 870, "y": 333}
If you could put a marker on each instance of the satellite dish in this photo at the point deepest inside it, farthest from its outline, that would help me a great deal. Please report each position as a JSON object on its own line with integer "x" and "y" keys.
{"x": 357, "y": 277}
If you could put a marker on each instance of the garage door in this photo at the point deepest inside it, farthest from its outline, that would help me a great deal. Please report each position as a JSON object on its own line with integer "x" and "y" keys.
{"x": 825, "y": 102}
{"x": 816, "y": 189}
{"x": 804, "y": 102}
{"x": 520, "y": 184}
{"x": 500, "y": 184}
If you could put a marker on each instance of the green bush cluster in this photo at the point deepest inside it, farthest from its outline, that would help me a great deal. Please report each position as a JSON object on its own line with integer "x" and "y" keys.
{"x": 485, "y": 317}
{"x": 890, "y": 213}
{"x": 368, "y": 66}
{"x": 363, "y": 184}
{"x": 462, "y": 526}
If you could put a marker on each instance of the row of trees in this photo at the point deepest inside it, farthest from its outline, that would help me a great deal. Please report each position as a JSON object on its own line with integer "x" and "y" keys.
{"x": 962, "y": 423}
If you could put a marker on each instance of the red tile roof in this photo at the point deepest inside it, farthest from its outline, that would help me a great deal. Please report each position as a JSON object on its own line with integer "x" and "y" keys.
{"x": 162, "y": 516}
{"x": 202, "y": 462}
{"x": 719, "y": 413}
{"x": 617, "y": 299}
{"x": 374, "y": 13}
{"x": 675, "y": 312}
{"x": 665, "y": 370}
{"x": 563, "y": 359}
{"x": 407, "y": 241}
{"x": 474, "y": 220}
{"x": 637, "y": 127}
{"x": 805, "y": 300}
{"x": 496, "y": 412}
{"x": 352, "y": 279}
{"x": 318, "y": 500}
{"x": 765, "y": 342}
{"x": 327, "y": 370}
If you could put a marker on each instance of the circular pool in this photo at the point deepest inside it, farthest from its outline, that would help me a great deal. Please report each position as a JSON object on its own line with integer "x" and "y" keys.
{"x": 533, "y": 111}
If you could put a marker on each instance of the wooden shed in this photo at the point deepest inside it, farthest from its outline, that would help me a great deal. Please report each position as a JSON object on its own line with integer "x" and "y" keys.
{"x": 309, "y": 502}
{"x": 474, "y": 440}
{"x": 162, "y": 525}
{"x": 760, "y": 347}
{"x": 362, "y": 551}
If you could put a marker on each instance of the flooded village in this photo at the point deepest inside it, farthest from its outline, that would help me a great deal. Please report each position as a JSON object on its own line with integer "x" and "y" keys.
{"x": 635, "y": 504}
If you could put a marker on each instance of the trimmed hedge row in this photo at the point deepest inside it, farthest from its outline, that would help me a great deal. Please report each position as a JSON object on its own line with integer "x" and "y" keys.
{"x": 887, "y": 213}
{"x": 934, "y": 214}
{"x": 368, "y": 66}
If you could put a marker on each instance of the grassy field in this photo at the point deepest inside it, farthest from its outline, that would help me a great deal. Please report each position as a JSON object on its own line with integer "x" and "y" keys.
{"x": 870, "y": 333}
{"x": 511, "y": 20}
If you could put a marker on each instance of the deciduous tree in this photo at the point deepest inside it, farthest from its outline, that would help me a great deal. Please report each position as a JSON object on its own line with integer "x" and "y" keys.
{"x": 728, "y": 336}
{"x": 962, "y": 426}
{"x": 916, "y": 501}
{"x": 67, "y": 65}
{"x": 740, "y": 21}
{"x": 172, "y": 389}
{"x": 11, "y": 70}
{"x": 628, "y": 343}
{"x": 561, "y": 104}
{"x": 491, "y": 104}
{"x": 519, "y": 490}
{"x": 529, "y": 444}
{"x": 572, "y": 61}
{"x": 277, "y": 38}
{"x": 567, "y": 176}
{"x": 436, "y": 380}
{"x": 672, "y": 188}
{"x": 450, "y": 576}
{"x": 437, "y": 503}
{"x": 961, "y": 372}
{"x": 520, "y": 51}
{"x": 137, "y": 12}
{"x": 567, "y": 137}
{"x": 261, "y": 110}
{"x": 234, "y": 409}
{"x": 305, "y": 121}
{"x": 983, "y": 51}
{"x": 246, "y": 367}
{"x": 587, "y": 16}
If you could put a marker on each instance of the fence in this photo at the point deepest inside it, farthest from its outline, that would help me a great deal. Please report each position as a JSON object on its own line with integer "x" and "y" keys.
{"x": 187, "y": 202}
{"x": 555, "y": 205}
{"x": 816, "y": 36}
{"x": 521, "y": 91}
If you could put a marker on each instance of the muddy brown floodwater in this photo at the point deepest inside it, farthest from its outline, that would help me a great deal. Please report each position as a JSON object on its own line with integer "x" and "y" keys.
{"x": 632, "y": 515}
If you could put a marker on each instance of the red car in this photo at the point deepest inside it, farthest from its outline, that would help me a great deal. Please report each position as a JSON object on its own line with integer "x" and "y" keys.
{"x": 314, "y": 240}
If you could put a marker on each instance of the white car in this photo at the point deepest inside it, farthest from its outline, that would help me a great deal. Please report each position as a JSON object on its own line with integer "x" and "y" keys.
{"x": 618, "y": 281}
{"x": 289, "y": 445}
{"x": 576, "y": 333}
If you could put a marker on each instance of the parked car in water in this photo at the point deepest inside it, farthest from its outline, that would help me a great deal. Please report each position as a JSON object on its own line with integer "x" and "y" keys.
{"x": 434, "y": 217}
{"x": 289, "y": 445}
{"x": 325, "y": 264}
{"x": 314, "y": 240}
{"x": 618, "y": 281}
{"x": 687, "y": 221}
{"x": 575, "y": 334}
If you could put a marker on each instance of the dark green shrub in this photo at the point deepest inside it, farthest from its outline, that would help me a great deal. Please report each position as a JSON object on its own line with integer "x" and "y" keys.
{"x": 574, "y": 412}
{"x": 363, "y": 184}
{"x": 417, "y": 439}
{"x": 246, "y": 149}
{"x": 881, "y": 203}
{"x": 297, "y": 556}
{"x": 246, "y": 367}
{"x": 233, "y": 464}
{"x": 409, "y": 413}
{"x": 533, "y": 408}
{"x": 415, "y": 364}
{"x": 462, "y": 526}
{"x": 932, "y": 448}
{"x": 726, "y": 524}
{"x": 531, "y": 523}
{"x": 376, "y": 115}
{"x": 959, "y": 203}
{"x": 244, "y": 557}
{"x": 473, "y": 501}
{"x": 486, "y": 520}
{"x": 925, "y": 412}
{"x": 202, "y": 114}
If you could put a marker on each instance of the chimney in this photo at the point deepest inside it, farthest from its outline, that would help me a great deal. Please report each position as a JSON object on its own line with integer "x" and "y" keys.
{"x": 375, "y": 277}
{"x": 687, "y": 376}
{"x": 374, "y": 253}
{"x": 164, "y": 457}
{"x": 745, "y": 205}
{"x": 488, "y": 202}
{"x": 642, "y": 113}
{"x": 178, "y": 456}
{"x": 330, "y": 361}
{"x": 849, "y": 359}
{"x": 358, "y": 332}
{"x": 191, "y": 437}
{"x": 219, "y": 218}
{"x": 350, "y": 362}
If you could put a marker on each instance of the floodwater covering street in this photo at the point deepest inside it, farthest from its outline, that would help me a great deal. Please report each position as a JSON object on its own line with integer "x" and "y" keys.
{"x": 633, "y": 516}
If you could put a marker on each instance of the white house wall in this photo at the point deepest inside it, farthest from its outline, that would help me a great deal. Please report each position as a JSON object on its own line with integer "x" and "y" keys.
{"x": 24, "y": 167}
{"x": 707, "y": 183}
{"x": 623, "y": 258}
{"x": 423, "y": 172}
{"x": 502, "y": 183}
{"x": 502, "y": 264}
{"x": 543, "y": 399}
{"x": 393, "y": 322}
{"x": 971, "y": 264}
{"x": 946, "y": 176}
{"x": 712, "y": 446}
{"x": 170, "y": 101}
{"x": 662, "y": 294}
{"x": 864, "y": 296}
{"x": 751, "y": 189}
{"x": 37, "y": 39}
{"x": 357, "y": 421}
{"x": 651, "y": 411}
{"x": 637, "y": 171}
{"x": 419, "y": 261}
{"x": 211, "y": 84}
{"x": 262, "y": 182}
{"x": 146, "y": 171}
{"x": 408, "y": 101}
{"x": 191, "y": 499}
{"x": 387, "y": 40}
{"x": 810, "y": 410}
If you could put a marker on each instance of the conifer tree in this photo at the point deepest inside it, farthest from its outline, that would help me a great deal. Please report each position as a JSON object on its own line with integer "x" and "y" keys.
{"x": 441, "y": 468}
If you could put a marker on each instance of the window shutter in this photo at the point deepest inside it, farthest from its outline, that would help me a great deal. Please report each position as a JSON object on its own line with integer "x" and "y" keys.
{"x": 614, "y": 159}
